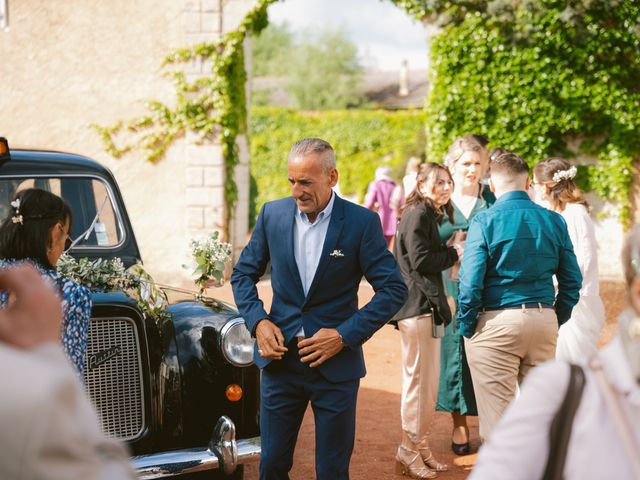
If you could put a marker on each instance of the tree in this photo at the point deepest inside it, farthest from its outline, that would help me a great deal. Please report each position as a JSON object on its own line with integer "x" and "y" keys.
{"x": 271, "y": 51}
{"x": 321, "y": 70}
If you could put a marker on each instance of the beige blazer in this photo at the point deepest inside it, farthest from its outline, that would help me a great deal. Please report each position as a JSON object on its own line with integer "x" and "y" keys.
{"x": 48, "y": 428}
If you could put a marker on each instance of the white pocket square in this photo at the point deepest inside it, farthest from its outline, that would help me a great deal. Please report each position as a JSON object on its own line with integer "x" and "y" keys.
{"x": 336, "y": 254}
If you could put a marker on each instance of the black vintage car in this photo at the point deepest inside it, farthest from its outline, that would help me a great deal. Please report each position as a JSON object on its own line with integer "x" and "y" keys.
{"x": 181, "y": 390}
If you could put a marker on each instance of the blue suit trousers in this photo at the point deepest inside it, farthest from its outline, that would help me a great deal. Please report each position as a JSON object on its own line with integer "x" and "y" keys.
{"x": 287, "y": 387}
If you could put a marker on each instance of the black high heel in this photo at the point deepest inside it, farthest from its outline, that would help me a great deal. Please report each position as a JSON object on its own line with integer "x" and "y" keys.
{"x": 461, "y": 448}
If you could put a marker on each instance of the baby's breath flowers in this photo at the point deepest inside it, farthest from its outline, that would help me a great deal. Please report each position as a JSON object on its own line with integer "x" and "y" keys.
{"x": 210, "y": 257}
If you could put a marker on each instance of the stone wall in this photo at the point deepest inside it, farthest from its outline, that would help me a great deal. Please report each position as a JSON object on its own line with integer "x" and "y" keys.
{"x": 67, "y": 65}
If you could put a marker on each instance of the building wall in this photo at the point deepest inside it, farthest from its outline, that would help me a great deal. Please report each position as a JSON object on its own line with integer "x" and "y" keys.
{"x": 67, "y": 65}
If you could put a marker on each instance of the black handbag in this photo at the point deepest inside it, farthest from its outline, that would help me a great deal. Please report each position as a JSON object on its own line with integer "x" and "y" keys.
{"x": 560, "y": 431}
{"x": 438, "y": 322}
{"x": 434, "y": 309}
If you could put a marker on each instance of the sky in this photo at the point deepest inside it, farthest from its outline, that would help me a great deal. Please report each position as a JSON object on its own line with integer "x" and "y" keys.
{"x": 383, "y": 33}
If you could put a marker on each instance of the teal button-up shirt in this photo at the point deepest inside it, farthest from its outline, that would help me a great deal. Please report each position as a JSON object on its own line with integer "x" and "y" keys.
{"x": 512, "y": 252}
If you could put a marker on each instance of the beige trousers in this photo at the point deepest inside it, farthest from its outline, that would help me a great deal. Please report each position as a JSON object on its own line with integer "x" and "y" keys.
{"x": 506, "y": 345}
{"x": 420, "y": 375}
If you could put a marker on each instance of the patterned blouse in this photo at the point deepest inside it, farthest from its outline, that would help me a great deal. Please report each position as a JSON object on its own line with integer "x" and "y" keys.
{"x": 76, "y": 307}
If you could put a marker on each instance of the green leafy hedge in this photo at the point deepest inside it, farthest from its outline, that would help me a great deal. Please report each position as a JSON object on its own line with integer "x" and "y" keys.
{"x": 536, "y": 75}
{"x": 363, "y": 140}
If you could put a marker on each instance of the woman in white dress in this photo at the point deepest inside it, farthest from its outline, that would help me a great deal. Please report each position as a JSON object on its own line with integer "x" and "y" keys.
{"x": 553, "y": 183}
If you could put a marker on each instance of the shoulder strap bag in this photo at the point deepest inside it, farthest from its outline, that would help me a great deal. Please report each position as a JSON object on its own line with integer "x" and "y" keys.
{"x": 560, "y": 430}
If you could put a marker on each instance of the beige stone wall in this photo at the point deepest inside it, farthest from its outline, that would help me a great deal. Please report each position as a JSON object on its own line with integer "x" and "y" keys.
{"x": 68, "y": 64}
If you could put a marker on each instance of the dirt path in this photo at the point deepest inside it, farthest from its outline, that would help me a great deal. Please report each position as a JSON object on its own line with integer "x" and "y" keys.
{"x": 378, "y": 415}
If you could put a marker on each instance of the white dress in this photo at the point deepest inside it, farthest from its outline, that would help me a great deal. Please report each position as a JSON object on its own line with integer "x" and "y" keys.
{"x": 578, "y": 337}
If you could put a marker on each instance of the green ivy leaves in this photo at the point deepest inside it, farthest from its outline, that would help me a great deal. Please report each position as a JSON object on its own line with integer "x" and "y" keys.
{"x": 541, "y": 79}
{"x": 363, "y": 140}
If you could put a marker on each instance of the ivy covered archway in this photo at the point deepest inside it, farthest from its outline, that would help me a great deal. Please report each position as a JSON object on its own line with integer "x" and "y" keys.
{"x": 500, "y": 68}
{"x": 213, "y": 106}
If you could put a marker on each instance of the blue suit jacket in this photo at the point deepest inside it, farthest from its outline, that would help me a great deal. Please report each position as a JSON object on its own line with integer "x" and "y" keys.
{"x": 354, "y": 236}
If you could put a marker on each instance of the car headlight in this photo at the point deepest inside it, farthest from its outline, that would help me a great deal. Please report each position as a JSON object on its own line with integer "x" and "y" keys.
{"x": 237, "y": 343}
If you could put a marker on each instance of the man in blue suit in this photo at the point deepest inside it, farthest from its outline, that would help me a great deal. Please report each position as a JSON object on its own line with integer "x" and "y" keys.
{"x": 309, "y": 346}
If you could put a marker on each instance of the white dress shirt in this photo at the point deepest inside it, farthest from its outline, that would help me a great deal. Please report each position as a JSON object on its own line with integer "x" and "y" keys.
{"x": 519, "y": 445}
{"x": 308, "y": 240}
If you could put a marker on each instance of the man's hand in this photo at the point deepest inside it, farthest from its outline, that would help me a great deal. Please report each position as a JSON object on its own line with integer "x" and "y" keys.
{"x": 321, "y": 347}
{"x": 270, "y": 340}
{"x": 34, "y": 312}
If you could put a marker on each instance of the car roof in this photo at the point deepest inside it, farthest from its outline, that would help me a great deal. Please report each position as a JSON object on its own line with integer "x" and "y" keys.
{"x": 50, "y": 163}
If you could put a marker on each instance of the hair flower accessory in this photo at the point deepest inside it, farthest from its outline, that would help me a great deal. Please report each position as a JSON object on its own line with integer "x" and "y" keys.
{"x": 17, "y": 218}
{"x": 567, "y": 174}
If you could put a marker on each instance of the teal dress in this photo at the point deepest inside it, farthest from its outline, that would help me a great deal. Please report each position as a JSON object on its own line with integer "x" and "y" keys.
{"x": 455, "y": 391}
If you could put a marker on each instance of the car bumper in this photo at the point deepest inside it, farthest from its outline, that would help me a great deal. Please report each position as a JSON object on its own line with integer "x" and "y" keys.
{"x": 223, "y": 453}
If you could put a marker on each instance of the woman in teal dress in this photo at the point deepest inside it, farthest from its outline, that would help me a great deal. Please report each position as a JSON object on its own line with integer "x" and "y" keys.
{"x": 468, "y": 161}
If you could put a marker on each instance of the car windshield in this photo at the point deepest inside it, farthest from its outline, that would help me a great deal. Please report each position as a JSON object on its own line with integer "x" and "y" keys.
{"x": 96, "y": 221}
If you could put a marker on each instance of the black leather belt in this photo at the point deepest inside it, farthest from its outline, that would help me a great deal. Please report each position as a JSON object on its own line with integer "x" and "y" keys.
{"x": 522, "y": 306}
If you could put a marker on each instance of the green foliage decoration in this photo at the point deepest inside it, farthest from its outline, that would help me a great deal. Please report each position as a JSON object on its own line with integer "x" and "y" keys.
{"x": 541, "y": 78}
{"x": 110, "y": 275}
{"x": 363, "y": 139}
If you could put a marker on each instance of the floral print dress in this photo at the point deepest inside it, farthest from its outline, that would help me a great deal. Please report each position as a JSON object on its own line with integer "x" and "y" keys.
{"x": 76, "y": 307}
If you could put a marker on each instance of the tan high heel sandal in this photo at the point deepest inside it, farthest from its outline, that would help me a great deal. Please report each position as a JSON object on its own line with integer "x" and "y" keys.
{"x": 409, "y": 463}
{"x": 430, "y": 461}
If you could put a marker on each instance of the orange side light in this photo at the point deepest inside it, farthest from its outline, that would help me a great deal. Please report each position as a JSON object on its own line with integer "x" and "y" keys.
{"x": 4, "y": 146}
{"x": 234, "y": 393}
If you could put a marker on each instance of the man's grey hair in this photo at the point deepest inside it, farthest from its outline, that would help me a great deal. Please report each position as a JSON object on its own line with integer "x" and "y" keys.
{"x": 306, "y": 146}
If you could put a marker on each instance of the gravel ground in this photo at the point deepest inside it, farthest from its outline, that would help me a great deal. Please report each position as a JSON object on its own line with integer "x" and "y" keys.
{"x": 378, "y": 416}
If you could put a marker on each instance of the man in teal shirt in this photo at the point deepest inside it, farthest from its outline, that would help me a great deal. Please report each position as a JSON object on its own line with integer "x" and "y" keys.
{"x": 508, "y": 308}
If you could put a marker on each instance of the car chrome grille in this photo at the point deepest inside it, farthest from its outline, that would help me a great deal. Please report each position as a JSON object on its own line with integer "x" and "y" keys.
{"x": 113, "y": 376}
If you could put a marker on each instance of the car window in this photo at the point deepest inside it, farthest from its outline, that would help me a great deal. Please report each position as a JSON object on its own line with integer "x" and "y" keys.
{"x": 96, "y": 222}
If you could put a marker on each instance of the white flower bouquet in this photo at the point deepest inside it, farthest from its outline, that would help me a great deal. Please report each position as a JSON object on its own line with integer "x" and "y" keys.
{"x": 210, "y": 257}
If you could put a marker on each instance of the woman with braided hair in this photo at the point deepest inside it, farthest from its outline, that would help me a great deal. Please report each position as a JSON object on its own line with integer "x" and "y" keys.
{"x": 37, "y": 230}
{"x": 553, "y": 181}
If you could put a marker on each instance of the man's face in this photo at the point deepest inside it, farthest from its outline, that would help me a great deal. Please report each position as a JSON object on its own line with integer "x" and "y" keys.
{"x": 310, "y": 184}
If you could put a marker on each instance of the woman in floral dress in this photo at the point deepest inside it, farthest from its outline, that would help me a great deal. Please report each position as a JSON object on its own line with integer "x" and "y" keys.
{"x": 37, "y": 230}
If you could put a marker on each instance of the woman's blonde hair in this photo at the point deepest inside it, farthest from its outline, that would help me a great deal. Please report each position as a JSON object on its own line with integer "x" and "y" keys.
{"x": 558, "y": 175}
{"x": 468, "y": 143}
